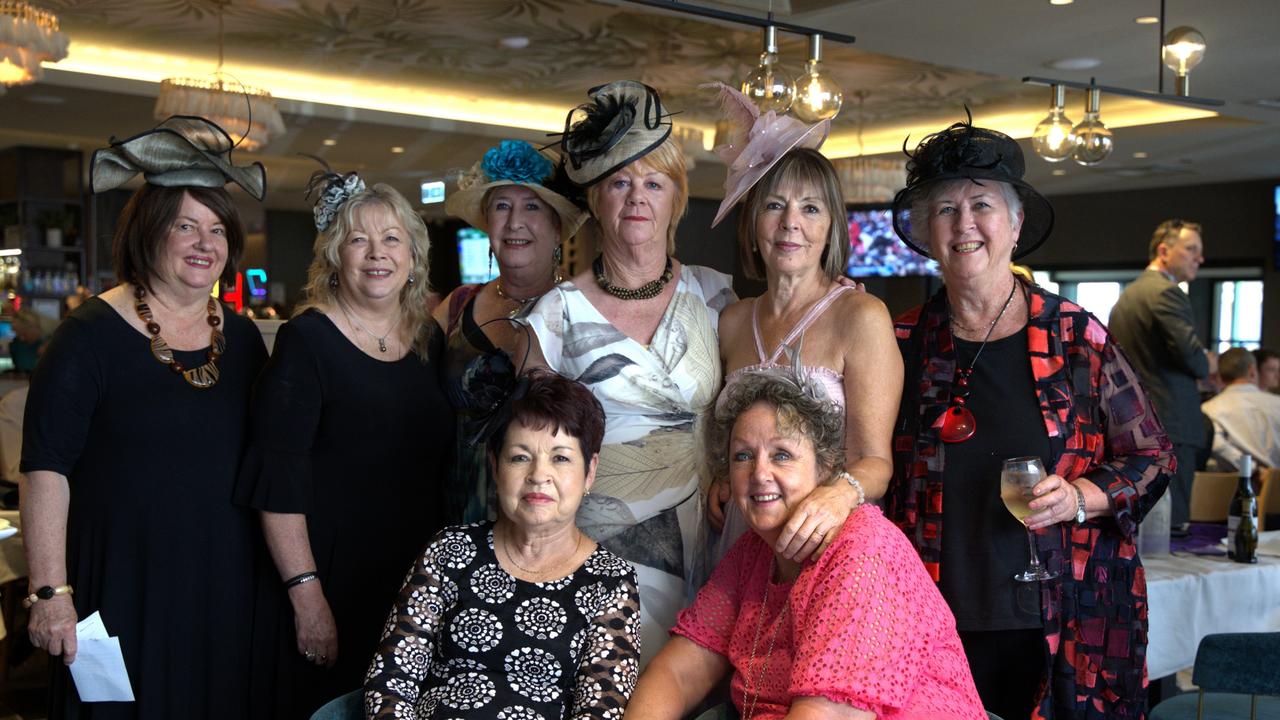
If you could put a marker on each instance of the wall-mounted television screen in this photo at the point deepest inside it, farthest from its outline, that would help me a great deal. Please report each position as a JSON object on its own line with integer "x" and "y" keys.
{"x": 473, "y": 257}
{"x": 876, "y": 251}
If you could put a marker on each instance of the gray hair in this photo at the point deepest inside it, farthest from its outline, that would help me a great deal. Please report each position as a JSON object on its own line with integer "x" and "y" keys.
{"x": 919, "y": 209}
{"x": 798, "y": 411}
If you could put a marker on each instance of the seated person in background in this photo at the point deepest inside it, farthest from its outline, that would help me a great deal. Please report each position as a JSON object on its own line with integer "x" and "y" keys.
{"x": 1246, "y": 420}
{"x": 523, "y": 617}
{"x": 1268, "y": 369}
{"x": 862, "y": 632}
{"x": 33, "y": 330}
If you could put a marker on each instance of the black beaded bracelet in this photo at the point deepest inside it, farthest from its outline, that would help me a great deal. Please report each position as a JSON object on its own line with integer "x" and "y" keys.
{"x": 305, "y": 577}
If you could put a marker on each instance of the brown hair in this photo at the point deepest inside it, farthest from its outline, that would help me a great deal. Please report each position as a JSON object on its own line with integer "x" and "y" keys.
{"x": 554, "y": 401}
{"x": 319, "y": 293}
{"x": 1234, "y": 364}
{"x": 799, "y": 168}
{"x": 148, "y": 217}
{"x": 667, "y": 159}
{"x": 1168, "y": 232}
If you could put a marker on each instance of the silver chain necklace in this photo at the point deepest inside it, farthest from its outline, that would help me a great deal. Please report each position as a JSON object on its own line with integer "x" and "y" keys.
{"x": 773, "y": 637}
{"x": 382, "y": 341}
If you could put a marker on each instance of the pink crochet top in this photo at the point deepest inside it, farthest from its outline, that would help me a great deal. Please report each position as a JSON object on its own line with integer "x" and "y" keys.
{"x": 864, "y": 625}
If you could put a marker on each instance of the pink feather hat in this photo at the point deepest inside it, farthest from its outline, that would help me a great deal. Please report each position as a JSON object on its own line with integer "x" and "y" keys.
{"x": 757, "y": 142}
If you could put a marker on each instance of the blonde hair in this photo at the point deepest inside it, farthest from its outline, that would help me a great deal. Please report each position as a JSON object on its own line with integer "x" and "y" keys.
{"x": 667, "y": 159}
{"x": 321, "y": 291}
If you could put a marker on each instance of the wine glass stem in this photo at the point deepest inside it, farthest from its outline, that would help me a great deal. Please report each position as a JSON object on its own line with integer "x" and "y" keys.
{"x": 1031, "y": 543}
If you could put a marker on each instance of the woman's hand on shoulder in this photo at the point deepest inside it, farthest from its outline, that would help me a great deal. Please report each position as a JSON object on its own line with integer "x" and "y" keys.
{"x": 816, "y": 522}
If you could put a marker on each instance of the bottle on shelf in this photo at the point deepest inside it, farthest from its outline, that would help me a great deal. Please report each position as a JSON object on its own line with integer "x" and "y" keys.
{"x": 1242, "y": 517}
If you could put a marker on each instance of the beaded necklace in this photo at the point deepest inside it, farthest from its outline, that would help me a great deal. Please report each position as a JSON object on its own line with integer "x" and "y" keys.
{"x": 205, "y": 376}
{"x": 649, "y": 290}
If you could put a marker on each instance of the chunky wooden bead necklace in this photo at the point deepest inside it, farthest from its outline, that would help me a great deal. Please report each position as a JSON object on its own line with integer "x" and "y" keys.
{"x": 649, "y": 290}
{"x": 205, "y": 376}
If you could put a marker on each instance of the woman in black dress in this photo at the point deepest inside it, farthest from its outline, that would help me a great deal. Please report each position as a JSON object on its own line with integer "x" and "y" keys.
{"x": 351, "y": 437}
{"x": 518, "y": 198}
{"x": 133, "y": 434}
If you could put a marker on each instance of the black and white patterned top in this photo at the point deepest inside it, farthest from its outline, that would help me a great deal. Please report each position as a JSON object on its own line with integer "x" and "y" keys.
{"x": 466, "y": 639}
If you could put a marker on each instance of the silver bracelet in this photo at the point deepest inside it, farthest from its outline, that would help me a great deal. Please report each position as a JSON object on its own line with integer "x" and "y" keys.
{"x": 857, "y": 486}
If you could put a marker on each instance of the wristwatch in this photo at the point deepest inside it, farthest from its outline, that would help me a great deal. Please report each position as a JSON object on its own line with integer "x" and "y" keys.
{"x": 1079, "y": 505}
{"x": 45, "y": 593}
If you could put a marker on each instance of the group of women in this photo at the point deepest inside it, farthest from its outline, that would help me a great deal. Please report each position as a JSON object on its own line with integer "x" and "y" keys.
{"x": 660, "y": 486}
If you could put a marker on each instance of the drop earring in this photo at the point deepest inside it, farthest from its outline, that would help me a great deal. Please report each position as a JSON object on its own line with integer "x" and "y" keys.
{"x": 490, "y": 262}
{"x": 333, "y": 281}
{"x": 412, "y": 279}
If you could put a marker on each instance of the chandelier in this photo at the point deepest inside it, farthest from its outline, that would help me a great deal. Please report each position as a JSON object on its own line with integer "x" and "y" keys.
{"x": 248, "y": 114}
{"x": 870, "y": 180}
{"x": 28, "y": 37}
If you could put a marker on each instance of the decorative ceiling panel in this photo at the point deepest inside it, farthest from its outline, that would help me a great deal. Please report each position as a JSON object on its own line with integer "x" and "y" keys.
{"x": 572, "y": 45}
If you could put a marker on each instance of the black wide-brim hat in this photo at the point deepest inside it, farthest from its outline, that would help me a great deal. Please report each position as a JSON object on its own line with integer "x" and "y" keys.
{"x": 965, "y": 152}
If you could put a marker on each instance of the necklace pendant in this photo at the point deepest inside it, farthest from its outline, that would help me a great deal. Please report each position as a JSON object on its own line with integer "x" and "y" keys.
{"x": 382, "y": 345}
{"x": 958, "y": 424}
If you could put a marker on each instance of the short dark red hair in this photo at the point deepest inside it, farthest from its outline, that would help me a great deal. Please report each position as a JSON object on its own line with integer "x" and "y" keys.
{"x": 550, "y": 400}
{"x": 145, "y": 222}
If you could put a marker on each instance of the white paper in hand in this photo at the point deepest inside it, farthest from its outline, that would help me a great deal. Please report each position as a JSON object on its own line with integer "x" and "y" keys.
{"x": 99, "y": 671}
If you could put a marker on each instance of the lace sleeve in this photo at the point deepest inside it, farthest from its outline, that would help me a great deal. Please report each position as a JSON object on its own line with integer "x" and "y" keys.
{"x": 394, "y": 681}
{"x": 611, "y": 659}
{"x": 868, "y": 624}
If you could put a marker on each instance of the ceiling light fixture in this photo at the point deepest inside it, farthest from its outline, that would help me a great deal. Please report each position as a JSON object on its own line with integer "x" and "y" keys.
{"x": 1094, "y": 141}
{"x": 1182, "y": 51}
{"x": 768, "y": 87}
{"x": 1058, "y": 172}
{"x": 1141, "y": 155}
{"x": 397, "y": 150}
{"x": 1147, "y": 20}
{"x": 818, "y": 96}
{"x": 1053, "y": 138}
{"x": 248, "y": 114}
{"x": 329, "y": 142}
{"x": 1061, "y": 2}
{"x": 28, "y": 36}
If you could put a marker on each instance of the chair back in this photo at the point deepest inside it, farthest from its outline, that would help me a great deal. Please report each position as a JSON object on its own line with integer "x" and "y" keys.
{"x": 344, "y": 707}
{"x": 1247, "y": 663}
{"x": 1269, "y": 497}
{"x": 1211, "y": 493}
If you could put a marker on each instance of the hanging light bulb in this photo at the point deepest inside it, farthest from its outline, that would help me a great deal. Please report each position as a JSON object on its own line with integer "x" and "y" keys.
{"x": 1093, "y": 140}
{"x": 1053, "y": 139}
{"x": 818, "y": 96}
{"x": 768, "y": 87}
{"x": 1183, "y": 49}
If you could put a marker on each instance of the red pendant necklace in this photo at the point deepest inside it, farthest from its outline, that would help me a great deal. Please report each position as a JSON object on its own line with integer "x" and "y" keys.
{"x": 958, "y": 423}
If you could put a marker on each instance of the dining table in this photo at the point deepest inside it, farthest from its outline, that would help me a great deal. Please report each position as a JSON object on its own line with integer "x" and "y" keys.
{"x": 1197, "y": 591}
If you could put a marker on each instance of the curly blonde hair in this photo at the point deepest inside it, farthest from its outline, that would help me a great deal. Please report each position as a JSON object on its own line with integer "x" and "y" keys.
{"x": 321, "y": 293}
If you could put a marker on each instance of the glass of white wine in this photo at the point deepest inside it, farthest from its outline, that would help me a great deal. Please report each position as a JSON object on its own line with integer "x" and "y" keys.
{"x": 1017, "y": 478}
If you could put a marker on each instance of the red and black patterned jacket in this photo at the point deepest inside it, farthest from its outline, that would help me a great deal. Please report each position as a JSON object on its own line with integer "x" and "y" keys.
{"x": 1101, "y": 426}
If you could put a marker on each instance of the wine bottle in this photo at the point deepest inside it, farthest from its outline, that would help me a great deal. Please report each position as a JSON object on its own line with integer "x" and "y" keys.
{"x": 1242, "y": 517}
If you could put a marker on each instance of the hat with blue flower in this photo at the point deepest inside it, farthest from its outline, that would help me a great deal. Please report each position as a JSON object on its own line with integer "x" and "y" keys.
{"x": 513, "y": 162}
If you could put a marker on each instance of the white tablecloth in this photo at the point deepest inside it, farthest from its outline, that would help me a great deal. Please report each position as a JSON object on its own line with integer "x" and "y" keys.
{"x": 1191, "y": 596}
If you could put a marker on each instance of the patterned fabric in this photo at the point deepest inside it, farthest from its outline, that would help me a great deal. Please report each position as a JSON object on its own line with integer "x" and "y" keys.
{"x": 1101, "y": 426}
{"x": 646, "y": 505}
{"x": 467, "y": 638}
{"x": 862, "y": 626}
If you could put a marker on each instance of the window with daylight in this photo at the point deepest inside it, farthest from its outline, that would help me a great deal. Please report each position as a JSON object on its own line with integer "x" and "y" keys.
{"x": 1237, "y": 317}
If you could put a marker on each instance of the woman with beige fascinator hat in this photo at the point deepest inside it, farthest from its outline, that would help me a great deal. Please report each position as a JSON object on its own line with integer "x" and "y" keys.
{"x": 639, "y": 329}
{"x": 792, "y": 233}
{"x": 352, "y": 438}
{"x": 134, "y": 429}
{"x": 517, "y": 196}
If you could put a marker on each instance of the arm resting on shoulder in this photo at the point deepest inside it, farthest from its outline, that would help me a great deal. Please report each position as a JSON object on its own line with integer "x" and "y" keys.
{"x": 676, "y": 681}
{"x": 872, "y": 388}
{"x": 44, "y": 498}
{"x": 1138, "y": 457}
{"x": 290, "y": 546}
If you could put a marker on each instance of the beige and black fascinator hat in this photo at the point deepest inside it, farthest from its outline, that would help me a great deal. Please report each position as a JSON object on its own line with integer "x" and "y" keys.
{"x": 516, "y": 162}
{"x": 183, "y": 151}
{"x": 623, "y": 122}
